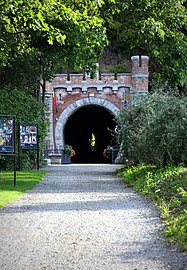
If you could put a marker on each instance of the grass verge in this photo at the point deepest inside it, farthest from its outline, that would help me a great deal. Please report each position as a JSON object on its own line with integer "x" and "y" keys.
{"x": 25, "y": 181}
{"x": 167, "y": 188}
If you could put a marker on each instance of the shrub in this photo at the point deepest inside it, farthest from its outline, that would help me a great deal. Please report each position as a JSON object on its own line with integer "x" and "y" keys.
{"x": 154, "y": 131}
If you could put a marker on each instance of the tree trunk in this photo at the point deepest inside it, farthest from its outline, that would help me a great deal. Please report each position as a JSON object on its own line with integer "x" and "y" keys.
{"x": 165, "y": 160}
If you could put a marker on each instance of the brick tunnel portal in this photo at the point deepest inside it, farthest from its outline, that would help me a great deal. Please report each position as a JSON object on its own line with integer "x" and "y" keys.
{"x": 89, "y": 130}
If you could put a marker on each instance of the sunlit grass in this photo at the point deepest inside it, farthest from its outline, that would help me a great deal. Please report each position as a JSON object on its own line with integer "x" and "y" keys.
{"x": 24, "y": 181}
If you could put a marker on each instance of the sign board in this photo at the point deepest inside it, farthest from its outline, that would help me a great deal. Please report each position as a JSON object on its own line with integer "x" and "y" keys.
{"x": 7, "y": 133}
{"x": 28, "y": 136}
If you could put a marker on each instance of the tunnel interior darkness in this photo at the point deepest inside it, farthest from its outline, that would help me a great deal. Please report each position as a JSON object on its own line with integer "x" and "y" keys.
{"x": 89, "y": 131}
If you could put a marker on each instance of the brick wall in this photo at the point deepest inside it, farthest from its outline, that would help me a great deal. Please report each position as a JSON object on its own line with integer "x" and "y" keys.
{"x": 116, "y": 89}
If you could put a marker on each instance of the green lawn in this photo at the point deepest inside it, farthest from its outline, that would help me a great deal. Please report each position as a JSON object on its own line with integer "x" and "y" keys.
{"x": 25, "y": 181}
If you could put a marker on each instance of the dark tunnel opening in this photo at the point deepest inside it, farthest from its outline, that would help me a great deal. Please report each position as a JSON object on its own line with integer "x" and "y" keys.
{"x": 89, "y": 130}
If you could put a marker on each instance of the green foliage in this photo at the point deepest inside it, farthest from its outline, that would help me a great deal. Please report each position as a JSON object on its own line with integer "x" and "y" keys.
{"x": 167, "y": 188}
{"x": 38, "y": 38}
{"x": 70, "y": 29}
{"x": 16, "y": 101}
{"x": 154, "y": 28}
{"x": 27, "y": 109}
{"x": 155, "y": 130}
{"x": 119, "y": 68}
{"x": 28, "y": 160}
{"x": 68, "y": 149}
{"x": 177, "y": 228}
{"x": 25, "y": 181}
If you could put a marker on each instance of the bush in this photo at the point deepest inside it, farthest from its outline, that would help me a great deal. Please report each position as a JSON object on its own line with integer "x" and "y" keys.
{"x": 154, "y": 131}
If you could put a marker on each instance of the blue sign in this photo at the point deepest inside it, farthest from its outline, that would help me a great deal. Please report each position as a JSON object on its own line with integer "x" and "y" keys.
{"x": 6, "y": 134}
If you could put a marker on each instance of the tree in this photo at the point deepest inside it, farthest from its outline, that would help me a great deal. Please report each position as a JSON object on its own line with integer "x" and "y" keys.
{"x": 49, "y": 34}
{"x": 154, "y": 28}
{"x": 36, "y": 38}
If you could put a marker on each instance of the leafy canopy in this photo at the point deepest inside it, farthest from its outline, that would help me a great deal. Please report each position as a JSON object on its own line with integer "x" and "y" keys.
{"x": 155, "y": 28}
{"x": 72, "y": 29}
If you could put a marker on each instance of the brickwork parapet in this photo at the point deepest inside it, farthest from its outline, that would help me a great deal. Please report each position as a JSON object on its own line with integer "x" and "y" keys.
{"x": 107, "y": 90}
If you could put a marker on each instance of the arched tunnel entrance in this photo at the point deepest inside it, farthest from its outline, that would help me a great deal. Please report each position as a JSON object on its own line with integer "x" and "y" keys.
{"x": 89, "y": 131}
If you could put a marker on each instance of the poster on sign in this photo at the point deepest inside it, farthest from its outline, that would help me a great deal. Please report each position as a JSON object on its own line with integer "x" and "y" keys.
{"x": 7, "y": 132}
{"x": 28, "y": 137}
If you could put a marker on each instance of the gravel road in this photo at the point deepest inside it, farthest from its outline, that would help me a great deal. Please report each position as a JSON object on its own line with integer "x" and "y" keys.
{"x": 83, "y": 217}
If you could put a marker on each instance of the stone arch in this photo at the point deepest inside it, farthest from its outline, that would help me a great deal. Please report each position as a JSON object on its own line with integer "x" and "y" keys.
{"x": 72, "y": 108}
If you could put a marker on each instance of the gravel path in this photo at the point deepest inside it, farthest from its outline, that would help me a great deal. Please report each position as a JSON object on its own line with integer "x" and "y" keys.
{"x": 83, "y": 217}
